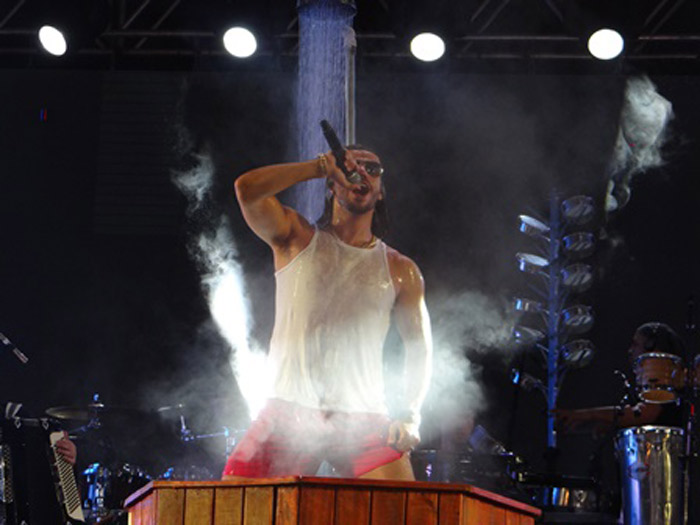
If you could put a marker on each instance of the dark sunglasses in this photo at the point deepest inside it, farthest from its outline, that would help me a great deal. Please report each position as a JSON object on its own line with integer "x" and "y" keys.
{"x": 373, "y": 169}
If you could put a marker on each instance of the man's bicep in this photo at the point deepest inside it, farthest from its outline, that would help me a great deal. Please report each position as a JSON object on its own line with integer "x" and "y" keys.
{"x": 269, "y": 220}
{"x": 411, "y": 312}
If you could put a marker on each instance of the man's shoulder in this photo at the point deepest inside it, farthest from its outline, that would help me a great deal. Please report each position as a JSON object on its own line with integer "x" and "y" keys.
{"x": 403, "y": 269}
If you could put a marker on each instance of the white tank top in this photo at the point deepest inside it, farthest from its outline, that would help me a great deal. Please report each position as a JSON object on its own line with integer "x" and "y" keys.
{"x": 332, "y": 313}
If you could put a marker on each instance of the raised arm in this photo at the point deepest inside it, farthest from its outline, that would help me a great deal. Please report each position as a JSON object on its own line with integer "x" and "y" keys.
{"x": 413, "y": 323}
{"x": 257, "y": 190}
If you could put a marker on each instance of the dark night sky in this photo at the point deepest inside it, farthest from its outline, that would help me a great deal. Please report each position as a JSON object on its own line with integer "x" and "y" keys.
{"x": 98, "y": 289}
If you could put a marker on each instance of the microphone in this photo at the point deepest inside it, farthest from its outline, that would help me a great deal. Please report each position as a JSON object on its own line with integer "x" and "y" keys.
{"x": 338, "y": 152}
{"x": 18, "y": 353}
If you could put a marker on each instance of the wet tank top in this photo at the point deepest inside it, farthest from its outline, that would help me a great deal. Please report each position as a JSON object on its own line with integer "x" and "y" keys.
{"x": 332, "y": 314}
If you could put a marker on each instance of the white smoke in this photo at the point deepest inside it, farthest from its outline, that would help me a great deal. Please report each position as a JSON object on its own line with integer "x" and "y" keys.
{"x": 470, "y": 321}
{"x": 641, "y": 136}
{"x": 224, "y": 286}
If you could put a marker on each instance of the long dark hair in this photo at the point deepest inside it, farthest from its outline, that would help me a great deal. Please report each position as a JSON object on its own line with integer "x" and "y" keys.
{"x": 380, "y": 218}
{"x": 659, "y": 337}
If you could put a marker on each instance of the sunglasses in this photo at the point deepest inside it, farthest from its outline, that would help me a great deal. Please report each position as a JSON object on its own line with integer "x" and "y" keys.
{"x": 373, "y": 168}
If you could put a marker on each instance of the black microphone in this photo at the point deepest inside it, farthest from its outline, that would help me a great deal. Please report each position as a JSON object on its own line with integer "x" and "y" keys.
{"x": 338, "y": 152}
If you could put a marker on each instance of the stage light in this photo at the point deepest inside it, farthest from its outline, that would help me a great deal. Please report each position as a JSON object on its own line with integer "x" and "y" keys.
{"x": 427, "y": 47}
{"x": 606, "y": 44}
{"x": 240, "y": 42}
{"x": 52, "y": 40}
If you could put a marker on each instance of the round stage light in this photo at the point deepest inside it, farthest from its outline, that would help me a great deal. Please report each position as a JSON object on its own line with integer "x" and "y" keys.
{"x": 427, "y": 47}
{"x": 606, "y": 44}
{"x": 52, "y": 40}
{"x": 240, "y": 42}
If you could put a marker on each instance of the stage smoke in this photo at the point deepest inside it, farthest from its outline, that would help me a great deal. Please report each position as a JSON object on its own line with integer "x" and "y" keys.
{"x": 641, "y": 136}
{"x": 214, "y": 250}
{"x": 468, "y": 321}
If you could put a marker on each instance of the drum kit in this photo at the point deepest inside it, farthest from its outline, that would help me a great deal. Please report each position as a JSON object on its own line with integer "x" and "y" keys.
{"x": 655, "y": 461}
{"x": 120, "y": 465}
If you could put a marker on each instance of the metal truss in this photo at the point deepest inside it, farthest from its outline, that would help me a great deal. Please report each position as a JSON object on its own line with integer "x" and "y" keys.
{"x": 174, "y": 34}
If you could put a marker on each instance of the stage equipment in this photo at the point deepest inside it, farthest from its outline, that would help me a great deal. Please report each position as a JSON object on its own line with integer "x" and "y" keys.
{"x": 338, "y": 152}
{"x": 310, "y": 500}
{"x": 326, "y": 87}
{"x": 561, "y": 242}
{"x": 427, "y": 47}
{"x": 37, "y": 485}
{"x": 606, "y": 44}
{"x": 660, "y": 377}
{"x": 240, "y": 42}
{"x": 533, "y": 227}
{"x": 106, "y": 490}
{"x": 651, "y": 473}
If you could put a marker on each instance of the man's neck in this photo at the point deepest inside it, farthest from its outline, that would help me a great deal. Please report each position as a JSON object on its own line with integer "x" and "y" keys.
{"x": 355, "y": 230}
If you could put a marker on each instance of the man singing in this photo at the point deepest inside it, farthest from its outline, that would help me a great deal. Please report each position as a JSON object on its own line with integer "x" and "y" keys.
{"x": 338, "y": 286}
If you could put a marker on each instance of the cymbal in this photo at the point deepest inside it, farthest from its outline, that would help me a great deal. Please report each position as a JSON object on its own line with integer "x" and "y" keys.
{"x": 93, "y": 410}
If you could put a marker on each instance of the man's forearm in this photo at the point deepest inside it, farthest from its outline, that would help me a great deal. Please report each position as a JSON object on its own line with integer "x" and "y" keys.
{"x": 418, "y": 372}
{"x": 261, "y": 183}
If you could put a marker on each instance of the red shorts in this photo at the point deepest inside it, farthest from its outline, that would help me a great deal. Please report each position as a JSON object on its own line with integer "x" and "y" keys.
{"x": 291, "y": 440}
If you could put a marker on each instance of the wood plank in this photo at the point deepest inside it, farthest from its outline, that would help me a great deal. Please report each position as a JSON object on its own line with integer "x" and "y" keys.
{"x": 316, "y": 505}
{"x": 199, "y": 506}
{"x": 134, "y": 516}
{"x": 287, "y": 507}
{"x": 388, "y": 507}
{"x": 475, "y": 511}
{"x": 450, "y": 509}
{"x": 422, "y": 508}
{"x": 170, "y": 507}
{"x": 512, "y": 517}
{"x": 144, "y": 512}
{"x": 228, "y": 506}
{"x": 258, "y": 503}
{"x": 352, "y": 506}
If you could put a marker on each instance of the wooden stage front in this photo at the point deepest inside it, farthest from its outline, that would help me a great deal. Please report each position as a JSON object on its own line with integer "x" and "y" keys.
{"x": 322, "y": 501}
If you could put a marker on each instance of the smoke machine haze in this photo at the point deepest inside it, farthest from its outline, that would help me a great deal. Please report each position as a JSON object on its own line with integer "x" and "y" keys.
{"x": 215, "y": 252}
{"x": 641, "y": 136}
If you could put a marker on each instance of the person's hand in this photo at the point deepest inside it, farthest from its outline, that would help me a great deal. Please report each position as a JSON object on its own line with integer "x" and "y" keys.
{"x": 66, "y": 448}
{"x": 403, "y": 436}
{"x": 334, "y": 173}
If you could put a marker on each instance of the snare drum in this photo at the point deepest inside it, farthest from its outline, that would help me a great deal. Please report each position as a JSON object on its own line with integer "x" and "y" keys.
{"x": 660, "y": 377}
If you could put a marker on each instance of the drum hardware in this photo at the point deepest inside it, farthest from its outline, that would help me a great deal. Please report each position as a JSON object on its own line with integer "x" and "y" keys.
{"x": 94, "y": 412}
{"x": 106, "y": 489}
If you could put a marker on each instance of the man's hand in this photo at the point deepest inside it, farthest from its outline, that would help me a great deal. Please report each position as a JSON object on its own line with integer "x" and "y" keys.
{"x": 66, "y": 448}
{"x": 403, "y": 436}
{"x": 334, "y": 173}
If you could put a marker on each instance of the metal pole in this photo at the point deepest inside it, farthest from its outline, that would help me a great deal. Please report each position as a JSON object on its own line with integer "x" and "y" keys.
{"x": 553, "y": 307}
{"x": 351, "y": 46}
